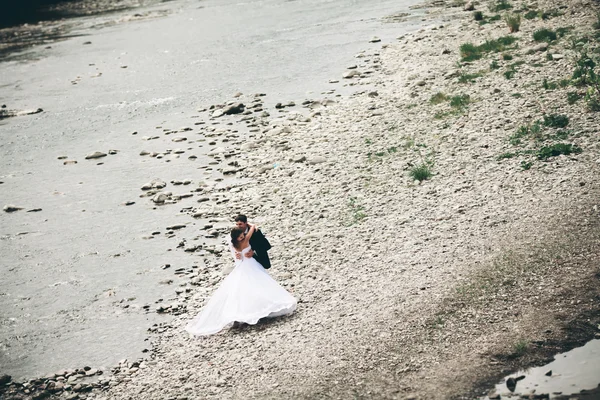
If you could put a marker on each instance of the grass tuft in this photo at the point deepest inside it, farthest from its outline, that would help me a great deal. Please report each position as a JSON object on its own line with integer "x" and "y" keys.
{"x": 573, "y": 97}
{"x": 513, "y": 22}
{"x": 556, "y": 150}
{"x": 459, "y": 102}
{"x": 471, "y": 52}
{"x": 438, "y": 98}
{"x": 420, "y": 172}
{"x": 544, "y": 35}
{"x": 520, "y": 348}
{"x": 465, "y": 78}
{"x": 556, "y": 121}
{"x": 532, "y": 14}
{"x": 501, "y": 5}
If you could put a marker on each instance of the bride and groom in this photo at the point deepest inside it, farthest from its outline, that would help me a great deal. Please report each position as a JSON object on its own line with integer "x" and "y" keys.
{"x": 248, "y": 293}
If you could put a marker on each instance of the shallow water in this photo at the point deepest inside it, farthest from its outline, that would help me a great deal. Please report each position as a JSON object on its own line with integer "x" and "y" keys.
{"x": 569, "y": 373}
{"x": 68, "y": 271}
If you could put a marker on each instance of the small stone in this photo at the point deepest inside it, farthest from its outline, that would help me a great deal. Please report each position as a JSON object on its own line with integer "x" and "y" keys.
{"x": 299, "y": 159}
{"x": 375, "y": 39}
{"x": 176, "y": 227}
{"x": 350, "y": 74}
{"x": 144, "y": 153}
{"x": 160, "y": 198}
{"x": 317, "y": 160}
{"x": 234, "y": 109}
{"x": 11, "y": 208}
{"x": 113, "y": 152}
{"x": 557, "y": 57}
{"x": 549, "y": 373}
{"x": 69, "y": 162}
{"x": 469, "y": 6}
{"x": 94, "y": 155}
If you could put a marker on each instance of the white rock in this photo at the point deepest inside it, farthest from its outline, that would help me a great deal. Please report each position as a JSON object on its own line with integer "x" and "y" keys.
{"x": 96, "y": 154}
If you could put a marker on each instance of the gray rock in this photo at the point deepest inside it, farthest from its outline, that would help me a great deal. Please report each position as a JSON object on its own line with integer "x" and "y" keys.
{"x": 160, "y": 198}
{"x": 351, "y": 74}
{"x": 94, "y": 155}
{"x": 299, "y": 159}
{"x": 11, "y": 208}
{"x": 17, "y": 113}
{"x": 375, "y": 39}
{"x": 176, "y": 227}
{"x": 234, "y": 109}
{"x": 317, "y": 160}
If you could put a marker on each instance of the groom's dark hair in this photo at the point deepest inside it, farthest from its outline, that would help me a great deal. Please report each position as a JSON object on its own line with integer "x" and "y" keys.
{"x": 241, "y": 218}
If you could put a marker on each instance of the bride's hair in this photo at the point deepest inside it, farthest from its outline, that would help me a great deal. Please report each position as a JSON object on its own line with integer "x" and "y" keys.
{"x": 235, "y": 233}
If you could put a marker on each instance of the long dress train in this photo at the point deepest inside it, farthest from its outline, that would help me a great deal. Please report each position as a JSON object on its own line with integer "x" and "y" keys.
{"x": 247, "y": 294}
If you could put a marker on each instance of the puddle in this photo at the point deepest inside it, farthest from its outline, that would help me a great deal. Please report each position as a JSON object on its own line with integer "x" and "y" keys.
{"x": 572, "y": 373}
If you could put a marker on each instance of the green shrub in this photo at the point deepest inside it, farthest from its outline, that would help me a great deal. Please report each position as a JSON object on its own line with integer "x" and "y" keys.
{"x": 495, "y": 17}
{"x": 478, "y": 15}
{"x": 556, "y": 121}
{"x": 470, "y": 52}
{"x": 460, "y": 101}
{"x": 550, "y": 14}
{"x": 544, "y": 35}
{"x": 557, "y": 149}
{"x": 596, "y": 24}
{"x": 420, "y": 172}
{"x": 438, "y": 98}
{"x": 505, "y": 156}
{"x": 563, "y": 83}
{"x": 501, "y": 5}
{"x": 531, "y": 14}
{"x": 561, "y": 32}
{"x": 509, "y": 74}
{"x": 548, "y": 85}
{"x": 494, "y": 65}
{"x": 573, "y": 97}
{"x": 464, "y": 77}
{"x": 525, "y": 165}
{"x": 513, "y": 22}
{"x": 507, "y": 57}
{"x": 522, "y": 132}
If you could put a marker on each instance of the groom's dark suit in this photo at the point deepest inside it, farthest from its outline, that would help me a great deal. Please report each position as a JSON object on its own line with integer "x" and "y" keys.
{"x": 261, "y": 245}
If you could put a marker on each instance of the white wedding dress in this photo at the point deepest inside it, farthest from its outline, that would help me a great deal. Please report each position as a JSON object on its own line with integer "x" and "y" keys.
{"x": 247, "y": 294}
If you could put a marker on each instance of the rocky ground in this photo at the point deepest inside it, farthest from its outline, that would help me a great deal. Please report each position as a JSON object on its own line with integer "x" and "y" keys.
{"x": 427, "y": 288}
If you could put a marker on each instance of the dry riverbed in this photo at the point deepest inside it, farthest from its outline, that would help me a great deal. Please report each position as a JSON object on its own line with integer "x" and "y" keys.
{"x": 429, "y": 288}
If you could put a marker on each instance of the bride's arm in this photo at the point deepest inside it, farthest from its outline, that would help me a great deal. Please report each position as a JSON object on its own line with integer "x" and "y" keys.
{"x": 252, "y": 229}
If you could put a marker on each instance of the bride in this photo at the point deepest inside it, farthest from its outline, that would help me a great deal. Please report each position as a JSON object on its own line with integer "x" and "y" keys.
{"x": 246, "y": 295}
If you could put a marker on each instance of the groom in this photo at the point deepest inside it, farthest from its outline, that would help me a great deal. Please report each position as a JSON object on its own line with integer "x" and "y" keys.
{"x": 259, "y": 243}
